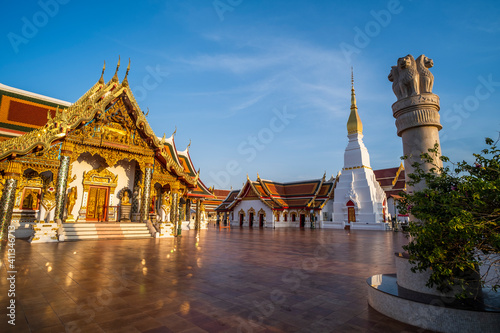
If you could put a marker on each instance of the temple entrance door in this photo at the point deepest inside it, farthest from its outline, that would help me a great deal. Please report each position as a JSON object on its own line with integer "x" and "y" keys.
{"x": 97, "y": 203}
{"x": 302, "y": 220}
{"x": 250, "y": 222}
{"x": 241, "y": 220}
{"x": 351, "y": 214}
{"x": 261, "y": 220}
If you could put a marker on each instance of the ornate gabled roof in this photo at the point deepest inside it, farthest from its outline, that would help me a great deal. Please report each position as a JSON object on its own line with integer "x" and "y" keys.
{"x": 228, "y": 201}
{"x": 186, "y": 162}
{"x": 279, "y": 196}
{"x": 218, "y": 197}
{"x": 91, "y": 106}
{"x": 294, "y": 194}
{"x": 392, "y": 180}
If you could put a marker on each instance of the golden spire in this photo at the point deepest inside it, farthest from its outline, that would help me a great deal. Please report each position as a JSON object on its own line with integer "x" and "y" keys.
{"x": 115, "y": 77}
{"x": 354, "y": 124}
{"x": 125, "y": 80}
{"x": 101, "y": 80}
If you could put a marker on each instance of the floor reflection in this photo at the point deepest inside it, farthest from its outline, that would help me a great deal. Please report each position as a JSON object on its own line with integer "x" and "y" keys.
{"x": 213, "y": 281}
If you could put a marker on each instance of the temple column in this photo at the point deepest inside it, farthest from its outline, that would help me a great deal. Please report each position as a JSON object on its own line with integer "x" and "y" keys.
{"x": 197, "y": 216}
{"x": 62, "y": 180}
{"x": 188, "y": 211}
{"x": 12, "y": 175}
{"x": 182, "y": 211}
{"x": 174, "y": 211}
{"x": 145, "y": 204}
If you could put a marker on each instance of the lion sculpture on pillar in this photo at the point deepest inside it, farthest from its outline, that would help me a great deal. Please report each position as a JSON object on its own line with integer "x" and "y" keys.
{"x": 425, "y": 75}
{"x": 411, "y": 77}
{"x": 394, "y": 78}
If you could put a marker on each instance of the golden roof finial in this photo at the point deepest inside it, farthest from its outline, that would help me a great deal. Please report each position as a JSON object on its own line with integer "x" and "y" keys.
{"x": 101, "y": 80}
{"x": 115, "y": 77}
{"x": 258, "y": 177}
{"x": 173, "y": 134}
{"x": 125, "y": 80}
{"x": 354, "y": 124}
{"x": 189, "y": 145}
{"x": 146, "y": 114}
{"x": 353, "y": 94}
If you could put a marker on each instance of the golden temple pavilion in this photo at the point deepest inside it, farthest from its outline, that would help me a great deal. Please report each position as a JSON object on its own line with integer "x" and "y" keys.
{"x": 92, "y": 169}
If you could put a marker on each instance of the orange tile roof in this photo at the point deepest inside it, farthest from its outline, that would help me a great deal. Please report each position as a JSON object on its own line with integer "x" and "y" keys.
{"x": 303, "y": 194}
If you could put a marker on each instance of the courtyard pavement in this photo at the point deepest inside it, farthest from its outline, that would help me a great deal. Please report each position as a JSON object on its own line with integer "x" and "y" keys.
{"x": 238, "y": 280}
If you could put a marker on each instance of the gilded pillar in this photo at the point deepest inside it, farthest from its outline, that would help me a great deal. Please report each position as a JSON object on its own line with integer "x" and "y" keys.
{"x": 197, "y": 216}
{"x": 188, "y": 210}
{"x": 182, "y": 210}
{"x": 145, "y": 204}
{"x": 174, "y": 211}
{"x": 62, "y": 179}
{"x": 12, "y": 175}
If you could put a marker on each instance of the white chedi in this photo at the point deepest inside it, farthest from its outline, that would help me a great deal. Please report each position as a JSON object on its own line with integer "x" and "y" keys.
{"x": 359, "y": 200}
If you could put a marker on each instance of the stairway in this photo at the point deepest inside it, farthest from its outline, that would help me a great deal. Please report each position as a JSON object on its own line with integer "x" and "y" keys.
{"x": 103, "y": 230}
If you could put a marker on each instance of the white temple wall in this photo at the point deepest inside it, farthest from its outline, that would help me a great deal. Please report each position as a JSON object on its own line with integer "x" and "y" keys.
{"x": 126, "y": 174}
{"x": 85, "y": 163}
{"x": 246, "y": 205}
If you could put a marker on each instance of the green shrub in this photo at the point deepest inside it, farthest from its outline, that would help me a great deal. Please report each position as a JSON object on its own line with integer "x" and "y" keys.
{"x": 455, "y": 218}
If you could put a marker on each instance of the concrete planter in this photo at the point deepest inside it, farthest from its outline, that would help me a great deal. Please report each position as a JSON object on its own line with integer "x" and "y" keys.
{"x": 416, "y": 281}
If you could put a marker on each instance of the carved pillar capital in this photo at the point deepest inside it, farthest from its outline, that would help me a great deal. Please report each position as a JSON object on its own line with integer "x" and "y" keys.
{"x": 67, "y": 148}
{"x": 415, "y": 111}
{"x": 14, "y": 170}
{"x": 175, "y": 188}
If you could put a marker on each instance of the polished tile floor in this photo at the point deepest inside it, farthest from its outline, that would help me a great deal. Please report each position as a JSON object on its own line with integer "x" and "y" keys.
{"x": 237, "y": 280}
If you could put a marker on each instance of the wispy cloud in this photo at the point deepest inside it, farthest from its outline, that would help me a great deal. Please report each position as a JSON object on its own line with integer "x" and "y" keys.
{"x": 489, "y": 27}
{"x": 313, "y": 77}
{"x": 248, "y": 103}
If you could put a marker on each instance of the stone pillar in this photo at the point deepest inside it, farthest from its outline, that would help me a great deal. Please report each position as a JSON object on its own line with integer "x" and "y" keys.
{"x": 62, "y": 180}
{"x": 12, "y": 175}
{"x": 416, "y": 112}
{"x": 145, "y": 204}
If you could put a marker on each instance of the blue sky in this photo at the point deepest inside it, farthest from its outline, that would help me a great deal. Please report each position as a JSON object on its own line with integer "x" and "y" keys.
{"x": 264, "y": 86}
